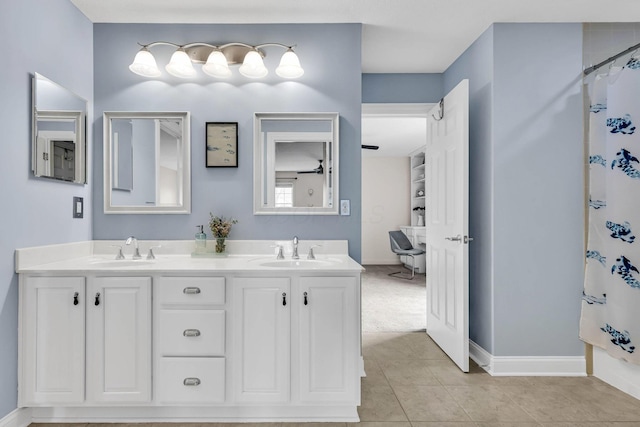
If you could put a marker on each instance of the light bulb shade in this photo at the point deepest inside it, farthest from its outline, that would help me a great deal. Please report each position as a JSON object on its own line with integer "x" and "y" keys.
{"x": 180, "y": 65}
{"x": 289, "y": 67}
{"x": 144, "y": 64}
{"x": 217, "y": 65}
{"x": 252, "y": 66}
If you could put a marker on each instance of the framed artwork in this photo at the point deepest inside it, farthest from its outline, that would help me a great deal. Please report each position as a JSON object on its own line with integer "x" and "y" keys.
{"x": 222, "y": 144}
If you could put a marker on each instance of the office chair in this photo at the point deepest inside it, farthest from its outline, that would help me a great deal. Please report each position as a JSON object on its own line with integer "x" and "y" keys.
{"x": 401, "y": 245}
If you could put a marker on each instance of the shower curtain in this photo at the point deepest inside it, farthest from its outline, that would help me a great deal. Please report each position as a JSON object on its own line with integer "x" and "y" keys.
{"x": 611, "y": 299}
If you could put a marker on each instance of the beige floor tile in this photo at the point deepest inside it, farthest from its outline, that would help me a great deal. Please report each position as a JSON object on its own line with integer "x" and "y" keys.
{"x": 379, "y": 403}
{"x": 429, "y": 403}
{"x": 380, "y": 424}
{"x": 449, "y": 374}
{"x": 387, "y": 346}
{"x": 374, "y": 373}
{"x": 496, "y": 424}
{"x": 549, "y": 404}
{"x": 488, "y": 404}
{"x": 608, "y": 404}
{"x": 423, "y": 346}
{"x": 407, "y": 372}
{"x": 314, "y": 424}
{"x": 443, "y": 424}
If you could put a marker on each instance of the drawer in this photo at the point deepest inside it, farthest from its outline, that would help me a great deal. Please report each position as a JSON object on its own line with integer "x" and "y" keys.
{"x": 191, "y": 332}
{"x": 192, "y": 380}
{"x": 191, "y": 291}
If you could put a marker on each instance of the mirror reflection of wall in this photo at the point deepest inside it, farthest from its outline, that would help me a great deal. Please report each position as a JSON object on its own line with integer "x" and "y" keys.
{"x": 148, "y": 162}
{"x": 58, "y": 140}
{"x": 145, "y": 161}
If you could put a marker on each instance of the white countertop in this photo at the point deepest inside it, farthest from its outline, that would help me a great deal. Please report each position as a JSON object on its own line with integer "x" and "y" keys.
{"x": 175, "y": 256}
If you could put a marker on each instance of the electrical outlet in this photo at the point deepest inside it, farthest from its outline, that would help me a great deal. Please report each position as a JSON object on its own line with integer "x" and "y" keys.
{"x": 78, "y": 207}
{"x": 345, "y": 207}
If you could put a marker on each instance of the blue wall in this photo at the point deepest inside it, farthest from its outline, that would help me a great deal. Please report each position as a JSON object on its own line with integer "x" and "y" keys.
{"x": 229, "y": 191}
{"x": 538, "y": 194}
{"x": 54, "y": 39}
{"x": 526, "y": 181}
{"x": 402, "y": 88}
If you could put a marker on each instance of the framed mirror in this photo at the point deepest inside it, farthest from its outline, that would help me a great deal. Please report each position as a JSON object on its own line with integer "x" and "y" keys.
{"x": 58, "y": 142}
{"x": 296, "y": 163}
{"x": 147, "y": 163}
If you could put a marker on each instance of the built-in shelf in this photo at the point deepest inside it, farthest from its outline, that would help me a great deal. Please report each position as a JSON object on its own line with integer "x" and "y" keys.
{"x": 418, "y": 182}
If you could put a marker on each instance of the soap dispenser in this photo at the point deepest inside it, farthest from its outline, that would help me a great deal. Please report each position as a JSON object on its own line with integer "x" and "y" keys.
{"x": 201, "y": 240}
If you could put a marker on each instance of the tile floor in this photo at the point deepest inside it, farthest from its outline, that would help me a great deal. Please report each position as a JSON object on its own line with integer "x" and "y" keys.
{"x": 411, "y": 383}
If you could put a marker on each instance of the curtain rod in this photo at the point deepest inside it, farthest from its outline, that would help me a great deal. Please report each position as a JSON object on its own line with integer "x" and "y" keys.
{"x": 613, "y": 58}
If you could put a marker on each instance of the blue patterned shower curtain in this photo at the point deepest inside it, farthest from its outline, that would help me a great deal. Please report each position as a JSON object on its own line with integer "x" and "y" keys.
{"x": 611, "y": 301}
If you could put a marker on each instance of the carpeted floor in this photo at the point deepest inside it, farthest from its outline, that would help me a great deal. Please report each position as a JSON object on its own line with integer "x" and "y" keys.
{"x": 390, "y": 304}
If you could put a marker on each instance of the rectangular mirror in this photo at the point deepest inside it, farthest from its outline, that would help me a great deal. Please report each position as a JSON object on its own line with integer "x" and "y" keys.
{"x": 58, "y": 132}
{"x": 296, "y": 163}
{"x": 147, "y": 162}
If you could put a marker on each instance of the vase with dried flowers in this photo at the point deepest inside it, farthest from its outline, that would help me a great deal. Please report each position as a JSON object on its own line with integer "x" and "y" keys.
{"x": 220, "y": 229}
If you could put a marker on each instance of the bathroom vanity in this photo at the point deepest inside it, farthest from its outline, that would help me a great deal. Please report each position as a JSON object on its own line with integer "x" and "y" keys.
{"x": 244, "y": 337}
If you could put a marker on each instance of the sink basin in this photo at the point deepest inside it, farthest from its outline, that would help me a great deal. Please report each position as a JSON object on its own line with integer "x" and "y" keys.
{"x": 115, "y": 263}
{"x": 297, "y": 263}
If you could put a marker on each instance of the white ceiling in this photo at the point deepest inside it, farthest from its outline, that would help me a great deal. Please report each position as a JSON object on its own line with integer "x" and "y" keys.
{"x": 398, "y": 36}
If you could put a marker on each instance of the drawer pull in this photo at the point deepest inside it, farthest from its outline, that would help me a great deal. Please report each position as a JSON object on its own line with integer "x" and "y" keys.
{"x": 191, "y": 333}
{"x": 191, "y": 290}
{"x": 191, "y": 381}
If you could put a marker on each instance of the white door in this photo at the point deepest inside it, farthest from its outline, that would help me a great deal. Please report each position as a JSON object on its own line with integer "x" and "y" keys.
{"x": 119, "y": 339}
{"x": 447, "y": 224}
{"x": 52, "y": 353}
{"x": 328, "y": 339}
{"x": 262, "y": 308}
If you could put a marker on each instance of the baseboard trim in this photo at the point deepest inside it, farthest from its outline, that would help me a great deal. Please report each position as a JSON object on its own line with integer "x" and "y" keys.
{"x": 620, "y": 374}
{"x": 20, "y": 417}
{"x": 549, "y": 366}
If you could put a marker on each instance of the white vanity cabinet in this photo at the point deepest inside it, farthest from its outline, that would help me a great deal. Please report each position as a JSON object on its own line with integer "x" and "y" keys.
{"x": 118, "y": 336}
{"x": 191, "y": 337}
{"x": 328, "y": 339}
{"x": 297, "y": 339}
{"x": 242, "y": 338}
{"x": 60, "y": 317}
{"x": 262, "y": 310}
{"x": 52, "y": 340}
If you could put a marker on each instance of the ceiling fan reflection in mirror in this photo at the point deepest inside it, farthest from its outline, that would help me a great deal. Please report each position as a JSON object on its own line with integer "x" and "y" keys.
{"x": 319, "y": 170}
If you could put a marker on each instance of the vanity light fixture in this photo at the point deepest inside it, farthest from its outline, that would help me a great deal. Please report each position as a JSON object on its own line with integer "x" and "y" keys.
{"x": 216, "y": 60}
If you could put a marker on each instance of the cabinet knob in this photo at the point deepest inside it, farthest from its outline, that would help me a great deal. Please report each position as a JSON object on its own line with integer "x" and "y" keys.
{"x": 284, "y": 298}
{"x": 97, "y": 298}
{"x": 191, "y": 381}
{"x": 191, "y": 290}
{"x": 306, "y": 302}
{"x": 191, "y": 333}
{"x": 75, "y": 299}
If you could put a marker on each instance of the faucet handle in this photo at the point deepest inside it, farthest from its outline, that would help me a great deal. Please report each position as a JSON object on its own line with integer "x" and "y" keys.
{"x": 311, "y": 255}
{"x": 280, "y": 251}
{"x": 120, "y": 255}
{"x": 151, "y": 255}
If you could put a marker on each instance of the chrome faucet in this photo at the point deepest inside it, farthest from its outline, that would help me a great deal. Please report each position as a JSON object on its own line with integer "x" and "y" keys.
{"x": 295, "y": 248}
{"x": 136, "y": 250}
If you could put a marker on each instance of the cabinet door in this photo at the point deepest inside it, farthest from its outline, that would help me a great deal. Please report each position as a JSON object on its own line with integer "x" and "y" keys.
{"x": 119, "y": 339}
{"x": 52, "y": 347}
{"x": 329, "y": 324}
{"x": 262, "y": 326}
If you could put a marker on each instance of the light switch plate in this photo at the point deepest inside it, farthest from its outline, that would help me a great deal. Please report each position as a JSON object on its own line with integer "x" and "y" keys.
{"x": 78, "y": 207}
{"x": 345, "y": 207}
